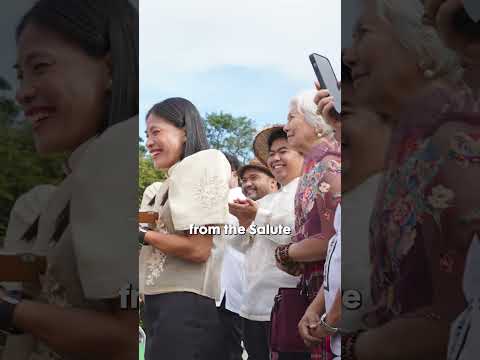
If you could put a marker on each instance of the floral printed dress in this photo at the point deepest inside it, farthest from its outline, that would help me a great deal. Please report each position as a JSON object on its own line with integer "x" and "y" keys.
{"x": 317, "y": 197}
{"x": 427, "y": 212}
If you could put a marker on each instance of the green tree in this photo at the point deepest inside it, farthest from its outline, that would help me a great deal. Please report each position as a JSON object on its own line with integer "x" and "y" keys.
{"x": 231, "y": 134}
{"x": 147, "y": 174}
{"x": 22, "y": 167}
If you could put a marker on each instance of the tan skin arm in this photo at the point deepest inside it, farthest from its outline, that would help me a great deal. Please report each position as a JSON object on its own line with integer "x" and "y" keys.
{"x": 195, "y": 248}
{"x": 81, "y": 332}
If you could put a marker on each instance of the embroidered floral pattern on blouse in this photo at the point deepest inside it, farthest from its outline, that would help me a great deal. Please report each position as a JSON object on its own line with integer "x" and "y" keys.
{"x": 209, "y": 189}
{"x": 335, "y": 166}
{"x": 324, "y": 187}
{"x": 53, "y": 291}
{"x": 404, "y": 207}
{"x": 465, "y": 149}
{"x": 311, "y": 188}
{"x": 155, "y": 265}
{"x": 441, "y": 197}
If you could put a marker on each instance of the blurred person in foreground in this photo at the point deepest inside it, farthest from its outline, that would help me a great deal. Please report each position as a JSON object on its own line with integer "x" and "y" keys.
{"x": 365, "y": 138}
{"x": 77, "y": 68}
{"x": 425, "y": 213}
{"x": 458, "y": 23}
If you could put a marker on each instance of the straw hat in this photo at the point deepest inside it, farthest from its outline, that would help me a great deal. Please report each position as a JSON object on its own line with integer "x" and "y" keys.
{"x": 260, "y": 143}
{"x": 257, "y": 165}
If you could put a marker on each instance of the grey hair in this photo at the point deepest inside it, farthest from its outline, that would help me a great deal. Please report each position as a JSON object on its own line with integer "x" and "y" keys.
{"x": 303, "y": 103}
{"x": 406, "y": 19}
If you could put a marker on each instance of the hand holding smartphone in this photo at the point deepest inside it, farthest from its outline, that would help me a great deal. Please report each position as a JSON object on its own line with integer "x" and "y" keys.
{"x": 327, "y": 79}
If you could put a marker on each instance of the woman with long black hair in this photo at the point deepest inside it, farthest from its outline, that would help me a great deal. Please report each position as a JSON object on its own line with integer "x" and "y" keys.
{"x": 77, "y": 66}
{"x": 180, "y": 267}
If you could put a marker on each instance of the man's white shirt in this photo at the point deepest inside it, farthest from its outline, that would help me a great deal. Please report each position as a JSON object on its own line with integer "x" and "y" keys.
{"x": 262, "y": 277}
{"x": 232, "y": 279}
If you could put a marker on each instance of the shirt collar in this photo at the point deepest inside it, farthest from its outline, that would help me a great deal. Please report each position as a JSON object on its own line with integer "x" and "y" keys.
{"x": 172, "y": 168}
{"x": 292, "y": 185}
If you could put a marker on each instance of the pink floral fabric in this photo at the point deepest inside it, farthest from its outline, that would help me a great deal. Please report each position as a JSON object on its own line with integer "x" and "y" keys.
{"x": 315, "y": 204}
{"x": 427, "y": 210}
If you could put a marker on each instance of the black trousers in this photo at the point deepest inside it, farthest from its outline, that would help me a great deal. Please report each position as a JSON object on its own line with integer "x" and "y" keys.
{"x": 232, "y": 332}
{"x": 257, "y": 342}
{"x": 256, "y": 339}
{"x": 182, "y": 326}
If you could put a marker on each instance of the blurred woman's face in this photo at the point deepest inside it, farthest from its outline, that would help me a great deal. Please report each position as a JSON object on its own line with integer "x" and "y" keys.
{"x": 165, "y": 142}
{"x": 301, "y": 136}
{"x": 384, "y": 72}
{"x": 62, "y": 90}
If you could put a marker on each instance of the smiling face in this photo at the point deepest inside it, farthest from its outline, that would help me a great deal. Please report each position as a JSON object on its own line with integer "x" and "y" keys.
{"x": 165, "y": 142}
{"x": 365, "y": 139}
{"x": 62, "y": 90}
{"x": 383, "y": 79}
{"x": 284, "y": 163}
{"x": 301, "y": 136}
{"x": 256, "y": 184}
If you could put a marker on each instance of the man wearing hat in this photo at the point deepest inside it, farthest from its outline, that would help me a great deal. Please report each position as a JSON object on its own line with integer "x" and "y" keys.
{"x": 263, "y": 278}
{"x": 256, "y": 180}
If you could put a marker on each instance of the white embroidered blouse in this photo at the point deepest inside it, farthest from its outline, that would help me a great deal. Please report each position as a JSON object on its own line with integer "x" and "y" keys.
{"x": 196, "y": 193}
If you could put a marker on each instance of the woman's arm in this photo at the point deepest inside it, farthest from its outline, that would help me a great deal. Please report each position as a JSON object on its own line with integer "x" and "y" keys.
{"x": 334, "y": 314}
{"x": 195, "y": 248}
{"x": 315, "y": 247}
{"x": 81, "y": 332}
{"x": 311, "y": 249}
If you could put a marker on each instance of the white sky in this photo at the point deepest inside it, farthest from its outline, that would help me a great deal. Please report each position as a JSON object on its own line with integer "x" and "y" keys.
{"x": 190, "y": 36}
{"x": 260, "y": 48}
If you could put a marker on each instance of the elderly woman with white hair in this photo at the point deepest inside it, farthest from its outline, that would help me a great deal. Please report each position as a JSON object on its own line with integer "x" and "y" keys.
{"x": 317, "y": 197}
{"x": 427, "y": 207}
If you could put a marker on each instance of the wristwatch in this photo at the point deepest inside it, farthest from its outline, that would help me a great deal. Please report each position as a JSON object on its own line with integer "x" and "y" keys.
{"x": 7, "y": 309}
{"x": 141, "y": 235}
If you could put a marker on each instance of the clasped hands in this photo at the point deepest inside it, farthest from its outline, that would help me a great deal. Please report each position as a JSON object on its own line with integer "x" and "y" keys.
{"x": 310, "y": 329}
{"x": 244, "y": 210}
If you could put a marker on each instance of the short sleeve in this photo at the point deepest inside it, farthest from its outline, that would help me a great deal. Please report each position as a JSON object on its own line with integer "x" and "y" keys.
{"x": 198, "y": 192}
{"x": 148, "y": 198}
{"x": 104, "y": 207}
{"x": 25, "y": 214}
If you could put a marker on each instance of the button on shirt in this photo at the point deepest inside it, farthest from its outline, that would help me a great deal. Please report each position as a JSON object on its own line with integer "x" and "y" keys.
{"x": 262, "y": 277}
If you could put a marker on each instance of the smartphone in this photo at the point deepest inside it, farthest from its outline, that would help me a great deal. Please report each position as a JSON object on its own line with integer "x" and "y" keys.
{"x": 327, "y": 79}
